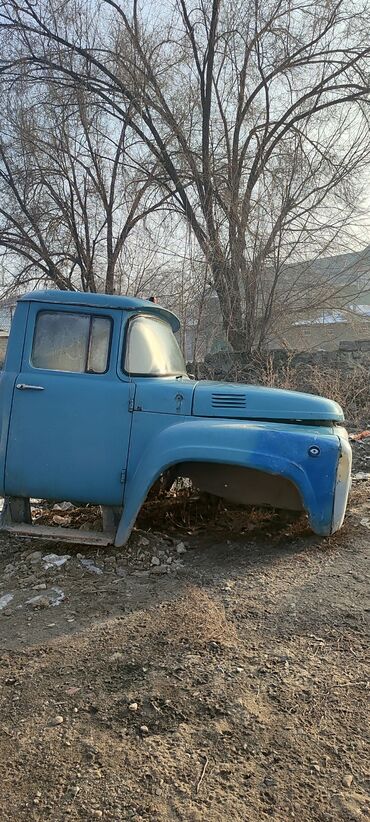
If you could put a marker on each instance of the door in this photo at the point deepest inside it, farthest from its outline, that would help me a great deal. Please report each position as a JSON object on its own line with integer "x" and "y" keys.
{"x": 70, "y": 423}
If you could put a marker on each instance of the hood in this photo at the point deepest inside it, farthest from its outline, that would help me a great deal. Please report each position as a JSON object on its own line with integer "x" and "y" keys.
{"x": 251, "y": 402}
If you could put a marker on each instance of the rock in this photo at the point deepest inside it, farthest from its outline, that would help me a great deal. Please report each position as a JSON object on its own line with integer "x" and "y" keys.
{"x": 159, "y": 569}
{"x": 35, "y": 557}
{"x": 347, "y": 780}
{"x": 96, "y": 813}
{"x": 4, "y": 600}
{"x": 143, "y": 541}
{"x": 40, "y": 587}
{"x": 144, "y": 729}
{"x": 27, "y": 582}
{"x": 133, "y": 706}
{"x": 9, "y": 569}
{"x": 58, "y": 720}
{"x": 180, "y": 548}
{"x": 116, "y": 657}
{"x": 121, "y": 572}
{"x": 155, "y": 561}
{"x": 38, "y": 602}
{"x": 109, "y": 562}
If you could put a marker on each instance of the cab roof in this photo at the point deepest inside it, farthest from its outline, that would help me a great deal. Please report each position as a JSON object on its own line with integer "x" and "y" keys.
{"x": 83, "y": 298}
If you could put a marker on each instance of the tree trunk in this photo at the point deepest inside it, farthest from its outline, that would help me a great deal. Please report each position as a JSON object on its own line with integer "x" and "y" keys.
{"x": 228, "y": 292}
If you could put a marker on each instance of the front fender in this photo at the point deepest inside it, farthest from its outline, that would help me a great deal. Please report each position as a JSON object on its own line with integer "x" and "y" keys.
{"x": 305, "y": 455}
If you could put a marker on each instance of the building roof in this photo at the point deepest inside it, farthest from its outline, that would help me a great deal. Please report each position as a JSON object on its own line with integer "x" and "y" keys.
{"x": 83, "y": 298}
{"x": 351, "y": 268}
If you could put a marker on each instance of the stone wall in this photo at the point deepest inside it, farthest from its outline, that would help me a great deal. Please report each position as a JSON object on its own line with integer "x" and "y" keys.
{"x": 342, "y": 374}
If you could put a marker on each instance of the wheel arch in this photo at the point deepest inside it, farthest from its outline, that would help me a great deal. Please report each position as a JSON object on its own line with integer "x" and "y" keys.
{"x": 199, "y": 444}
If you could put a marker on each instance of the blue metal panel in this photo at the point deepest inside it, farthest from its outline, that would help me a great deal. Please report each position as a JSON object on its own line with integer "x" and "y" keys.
{"x": 87, "y": 299}
{"x": 164, "y": 395}
{"x": 285, "y": 450}
{"x": 8, "y": 377}
{"x": 219, "y": 399}
{"x": 70, "y": 440}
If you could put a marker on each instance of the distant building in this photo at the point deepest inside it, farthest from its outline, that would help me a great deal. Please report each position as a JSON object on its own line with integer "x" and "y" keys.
{"x": 329, "y": 302}
{"x": 341, "y": 283}
{"x": 7, "y": 308}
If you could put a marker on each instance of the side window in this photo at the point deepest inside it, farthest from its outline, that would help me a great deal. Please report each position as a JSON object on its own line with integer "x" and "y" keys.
{"x": 100, "y": 332}
{"x": 71, "y": 342}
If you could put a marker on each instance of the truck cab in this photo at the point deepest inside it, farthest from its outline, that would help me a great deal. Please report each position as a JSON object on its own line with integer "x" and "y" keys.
{"x": 96, "y": 405}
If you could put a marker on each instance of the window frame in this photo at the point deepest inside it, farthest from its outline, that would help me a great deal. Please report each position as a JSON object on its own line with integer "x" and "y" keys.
{"x": 91, "y": 317}
{"x": 144, "y": 375}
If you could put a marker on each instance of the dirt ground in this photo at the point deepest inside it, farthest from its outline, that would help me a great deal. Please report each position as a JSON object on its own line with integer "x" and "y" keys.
{"x": 215, "y": 670}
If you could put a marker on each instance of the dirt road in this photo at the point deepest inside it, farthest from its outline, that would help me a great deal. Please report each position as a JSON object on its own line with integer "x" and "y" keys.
{"x": 220, "y": 679}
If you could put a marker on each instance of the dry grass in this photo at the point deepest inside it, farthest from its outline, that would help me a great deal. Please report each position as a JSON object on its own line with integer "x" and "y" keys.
{"x": 195, "y": 619}
{"x": 192, "y": 619}
{"x": 286, "y": 377}
{"x": 359, "y": 497}
{"x": 350, "y": 391}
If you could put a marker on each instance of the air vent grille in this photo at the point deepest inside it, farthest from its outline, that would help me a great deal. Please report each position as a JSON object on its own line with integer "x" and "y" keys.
{"x": 228, "y": 400}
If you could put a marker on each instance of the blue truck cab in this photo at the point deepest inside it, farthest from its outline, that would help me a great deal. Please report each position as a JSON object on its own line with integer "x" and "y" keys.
{"x": 96, "y": 406}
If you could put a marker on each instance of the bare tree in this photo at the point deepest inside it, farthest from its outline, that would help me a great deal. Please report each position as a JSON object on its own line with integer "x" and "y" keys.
{"x": 73, "y": 187}
{"x": 255, "y": 113}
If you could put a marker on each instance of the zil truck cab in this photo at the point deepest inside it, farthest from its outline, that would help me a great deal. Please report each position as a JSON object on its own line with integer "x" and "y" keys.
{"x": 96, "y": 406}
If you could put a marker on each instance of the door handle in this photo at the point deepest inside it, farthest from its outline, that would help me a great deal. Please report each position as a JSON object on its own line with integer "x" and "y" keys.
{"x": 22, "y": 386}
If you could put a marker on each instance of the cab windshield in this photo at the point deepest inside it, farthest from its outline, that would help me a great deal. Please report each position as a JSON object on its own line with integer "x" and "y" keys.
{"x": 152, "y": 349}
